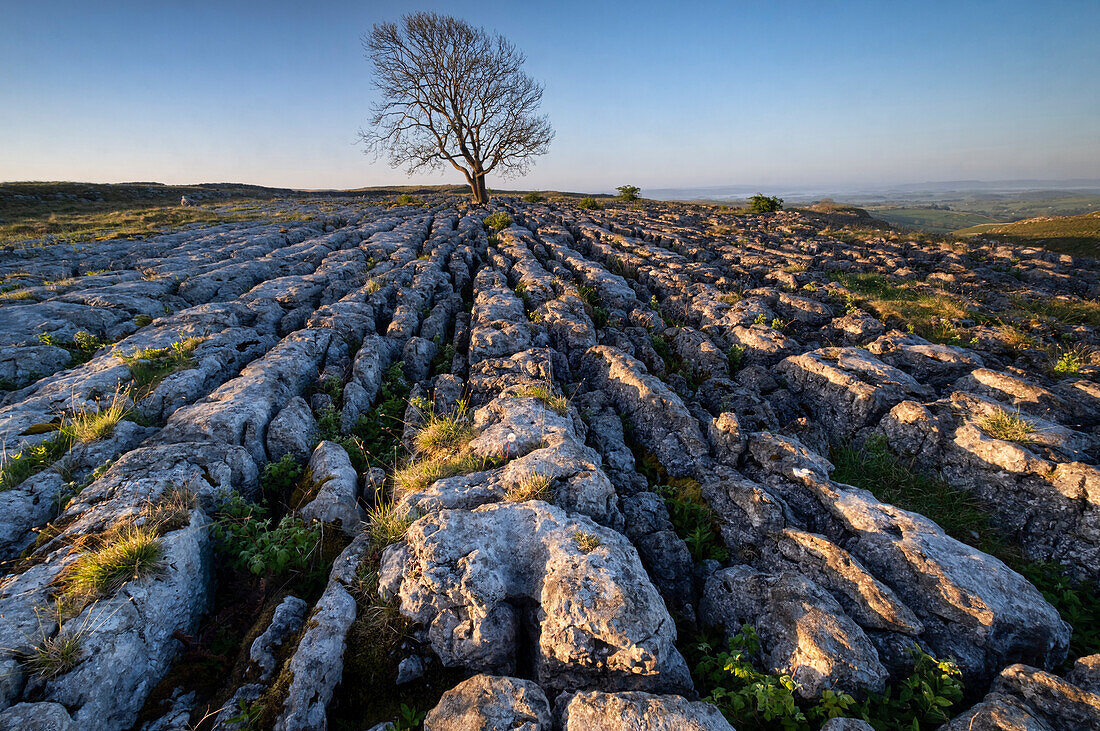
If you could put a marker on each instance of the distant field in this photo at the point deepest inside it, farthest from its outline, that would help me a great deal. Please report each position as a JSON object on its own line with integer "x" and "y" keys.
{"x": 929, "y": 219}
{"x": 1078, "y": 235}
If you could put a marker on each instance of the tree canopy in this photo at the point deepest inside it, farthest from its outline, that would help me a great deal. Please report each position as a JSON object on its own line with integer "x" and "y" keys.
{"x": 453, "y": 94}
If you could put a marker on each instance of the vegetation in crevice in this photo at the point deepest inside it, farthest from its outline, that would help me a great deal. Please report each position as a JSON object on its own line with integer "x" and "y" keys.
{"x": 964, "y": 517}
{"x": 149, "y": 366}
{"x": 756, "y": 700}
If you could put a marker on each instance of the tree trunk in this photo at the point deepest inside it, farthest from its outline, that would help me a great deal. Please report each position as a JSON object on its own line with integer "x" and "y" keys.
{"x": 481, "y": 193}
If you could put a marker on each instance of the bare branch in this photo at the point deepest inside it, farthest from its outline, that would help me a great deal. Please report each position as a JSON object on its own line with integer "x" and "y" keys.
{"x": 452, "y": 94}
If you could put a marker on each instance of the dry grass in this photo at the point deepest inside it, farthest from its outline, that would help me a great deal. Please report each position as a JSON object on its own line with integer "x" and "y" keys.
{"x": 171, "y": 511}
{"x": 419, "y": 475}
{"x": 1006, "y": 426}
{"x": 530, "y": 487}
{"x": 587, "y": 542}
{"x": 89, "y": 426}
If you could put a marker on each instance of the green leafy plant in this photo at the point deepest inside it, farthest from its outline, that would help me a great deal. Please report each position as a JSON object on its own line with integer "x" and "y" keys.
{"x": 404, "y": 200}
{"x": 408, "y": 719}
{"x": 747, "y": 697}
{"x": 30, "y": 460}
{"x": 921, "y": 701}
{"x": 249, "y": 540}
{"x": 498, "y": 221}
{"x": 82, "y": 347}
{"x": 693, "y": 519}
{"x": 1069, "y": 362}
{"x": 532, "y": 197}
{"x": 628, "y": 193}
{"x": 761, "y": 203}
{"x": 734, "y": 356}
{"x": 590, "y": 204}
{"x": 279, "y": 478}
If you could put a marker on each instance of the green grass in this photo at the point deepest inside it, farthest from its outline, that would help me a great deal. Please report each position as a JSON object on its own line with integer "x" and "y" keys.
{"x": 929, "y": 219}
{"x": 920, "y": 307}
{"x": 125, "y": 554}
{"x": 1063, "y": 311}
{"x": 556, "y": 403}
{"x": 531, "y": 487}
{"x": 150, "y": 366}
{"x": 17, "y": 467}
{"x": 1077, "y": 235}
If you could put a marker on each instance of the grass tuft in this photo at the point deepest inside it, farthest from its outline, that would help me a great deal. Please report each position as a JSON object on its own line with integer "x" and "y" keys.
{"x": 90, "y": 426}
{"x": 587, "y": 542}
{"x": 150, "y": 366}
{"x": 556, "y": 403}
{"x": 1004, "y": 425}
{"x": 54, "y": 656}
{"x": 124, "y": 555}
{"x": 530, "y": 487}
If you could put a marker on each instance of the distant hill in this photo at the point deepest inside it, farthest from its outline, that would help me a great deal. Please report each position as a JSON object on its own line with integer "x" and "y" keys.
{"x": 1077, "y": 235}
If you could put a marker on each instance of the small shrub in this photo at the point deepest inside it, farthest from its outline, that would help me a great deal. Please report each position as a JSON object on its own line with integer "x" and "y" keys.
{"x": 761, "y": 319}
{"x": 124, "y": 554}
{"x": 143, "y": 320}
{"x": 82, "y": 347}
{"x": 532, "y": 197}
{"x": 921, "y": 701}
{"x": 590, "y": 204}
{"x": 404, "y": 200}
{"x": 279, "y": 478}
{"x": 1009, "y": 427}
{"x": 587, "y": 542}
{"x": 734, "y": 356}
{"x": 628, "y": 193}
{"x": 530, "y": 487}
{"x": 498, "y": 221}
{"x": 761, "y": 203}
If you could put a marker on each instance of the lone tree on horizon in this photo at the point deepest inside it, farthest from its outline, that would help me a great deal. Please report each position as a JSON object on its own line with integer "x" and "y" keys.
{"x": 452, "y": 93}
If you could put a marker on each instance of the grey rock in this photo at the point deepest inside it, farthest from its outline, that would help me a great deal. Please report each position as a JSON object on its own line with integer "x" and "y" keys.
{"x": 292, "y": 431}
{"x": 491, "y": 702}
{"x": 596, "y": 711}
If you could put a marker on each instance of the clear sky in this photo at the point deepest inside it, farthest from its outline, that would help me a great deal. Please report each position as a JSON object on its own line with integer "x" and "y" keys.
{"x": 655, "y": 94}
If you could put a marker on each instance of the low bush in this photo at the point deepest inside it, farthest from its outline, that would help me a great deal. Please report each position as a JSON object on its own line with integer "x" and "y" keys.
{"x": 82, "y": 347}
{"x": 533, "y": 197}
{"x": 761, "y": 203}
{"x": 497, "y": 221}
{"x": 754, "y": 700}
{"x": 590, "y": 204}
{"x": 628, "y": 193}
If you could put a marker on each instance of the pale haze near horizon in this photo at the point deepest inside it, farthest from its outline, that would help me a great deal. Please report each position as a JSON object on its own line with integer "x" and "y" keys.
{"x": 652, "y": 94}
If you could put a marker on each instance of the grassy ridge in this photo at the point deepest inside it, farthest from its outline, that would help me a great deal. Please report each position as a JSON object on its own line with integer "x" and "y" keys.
{"x": 1077, "y": 235}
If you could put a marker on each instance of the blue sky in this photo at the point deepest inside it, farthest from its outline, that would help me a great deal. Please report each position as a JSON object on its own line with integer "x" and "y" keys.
{"x": 653, "y": 94}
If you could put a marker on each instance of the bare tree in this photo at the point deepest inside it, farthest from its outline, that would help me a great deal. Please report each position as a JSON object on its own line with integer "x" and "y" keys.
{"x": 451, "y": 93}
